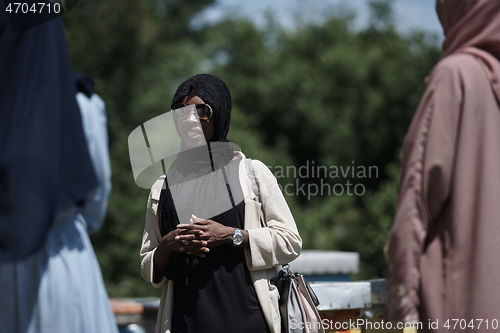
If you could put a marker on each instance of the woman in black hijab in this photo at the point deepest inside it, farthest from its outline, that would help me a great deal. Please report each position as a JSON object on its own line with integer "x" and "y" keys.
{"x": 203, "y": 240}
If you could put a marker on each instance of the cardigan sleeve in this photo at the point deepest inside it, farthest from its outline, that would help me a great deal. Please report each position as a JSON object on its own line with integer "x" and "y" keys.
{"x": 279, "y": 242}
{"x": 151, "y": 237}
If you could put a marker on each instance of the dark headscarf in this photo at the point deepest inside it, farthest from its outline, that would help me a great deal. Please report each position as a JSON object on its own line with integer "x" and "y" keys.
{"x": 215, "y": 93}
{"x": 45, "y": 165}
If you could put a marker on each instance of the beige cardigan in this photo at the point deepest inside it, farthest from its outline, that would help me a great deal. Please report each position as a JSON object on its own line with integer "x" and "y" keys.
{"x": 276, "y": 244}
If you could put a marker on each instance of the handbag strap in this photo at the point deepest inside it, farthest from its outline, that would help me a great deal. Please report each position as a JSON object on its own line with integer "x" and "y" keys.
{"x": 251, "y": 175}
{"x": 255, "y": 189}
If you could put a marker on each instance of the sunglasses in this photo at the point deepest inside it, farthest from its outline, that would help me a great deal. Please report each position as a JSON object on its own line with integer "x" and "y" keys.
{"x": 181, "y": 111}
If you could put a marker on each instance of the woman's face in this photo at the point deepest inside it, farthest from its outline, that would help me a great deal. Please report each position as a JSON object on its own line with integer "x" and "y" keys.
{"x": 195, "y": 132}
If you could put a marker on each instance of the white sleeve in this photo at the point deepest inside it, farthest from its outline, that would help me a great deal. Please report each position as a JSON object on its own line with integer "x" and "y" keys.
{"x": 94, "y": 123}
{"x": 151, "y": 237}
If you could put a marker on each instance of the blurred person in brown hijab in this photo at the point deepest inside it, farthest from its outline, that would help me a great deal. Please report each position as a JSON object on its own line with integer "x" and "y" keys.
{"x": 444, "y": 246}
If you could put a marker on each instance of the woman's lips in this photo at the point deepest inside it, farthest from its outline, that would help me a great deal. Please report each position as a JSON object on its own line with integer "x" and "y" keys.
{"x": 193, "y": 134}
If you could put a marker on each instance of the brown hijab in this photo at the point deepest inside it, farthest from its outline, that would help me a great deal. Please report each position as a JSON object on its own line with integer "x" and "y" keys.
{"x": 473, "y": 27}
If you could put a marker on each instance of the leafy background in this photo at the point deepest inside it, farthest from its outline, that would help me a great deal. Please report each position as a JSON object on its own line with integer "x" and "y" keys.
{"x": 323, "y": 92}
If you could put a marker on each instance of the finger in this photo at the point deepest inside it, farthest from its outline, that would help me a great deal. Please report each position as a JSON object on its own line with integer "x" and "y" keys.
{"x": 194, "y": 244}
{"x": 193, "y": 234}
{"x": 191, "y": 227}
{"x": 199, "y": 220}
{"x": 205, "y": 236}
{"x": 188, "y": 237}
{"x": 187, "y": 226}
{"x": 187, "y": 244}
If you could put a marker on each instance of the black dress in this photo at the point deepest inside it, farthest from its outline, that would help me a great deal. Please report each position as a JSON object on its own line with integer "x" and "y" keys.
{"x": 215, "y": 293}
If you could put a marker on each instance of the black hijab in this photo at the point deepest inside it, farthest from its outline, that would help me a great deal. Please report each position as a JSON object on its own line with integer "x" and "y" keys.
{"x": 215, "y": 93}
{"x": 45, "y": 165}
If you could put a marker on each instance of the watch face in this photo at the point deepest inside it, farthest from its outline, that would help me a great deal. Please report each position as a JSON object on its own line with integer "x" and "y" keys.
{"x": 237, "y": 238}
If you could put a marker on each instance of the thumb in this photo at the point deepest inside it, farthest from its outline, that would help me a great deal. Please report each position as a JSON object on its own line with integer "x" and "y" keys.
{"x": 196, "y": 219}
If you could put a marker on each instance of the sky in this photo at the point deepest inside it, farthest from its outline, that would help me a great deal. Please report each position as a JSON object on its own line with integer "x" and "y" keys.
{"x": 409, "y": 14}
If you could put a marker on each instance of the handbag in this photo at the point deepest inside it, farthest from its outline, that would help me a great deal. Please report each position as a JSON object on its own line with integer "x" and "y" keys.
{"x": 297, "y": 304}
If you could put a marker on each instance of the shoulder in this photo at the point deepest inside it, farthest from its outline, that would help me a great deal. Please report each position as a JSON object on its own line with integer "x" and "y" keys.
{"x": 262, "y": 172}
{"x": 258, "y": 167}
{"x": 156, "y": 188}
{"x": 457, "y": 67}
{"x": 457, "y": 62}
{"x": 460, "y": 77}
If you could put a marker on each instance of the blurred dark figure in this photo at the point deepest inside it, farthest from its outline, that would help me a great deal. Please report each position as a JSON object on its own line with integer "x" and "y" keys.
{"x": 54, "y": 186}
{"x": 444, "y": 246}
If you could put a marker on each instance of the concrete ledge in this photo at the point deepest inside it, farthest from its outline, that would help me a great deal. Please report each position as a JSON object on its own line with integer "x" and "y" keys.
{"x": 349, "y": 295}
{"x": 316, "y": 262}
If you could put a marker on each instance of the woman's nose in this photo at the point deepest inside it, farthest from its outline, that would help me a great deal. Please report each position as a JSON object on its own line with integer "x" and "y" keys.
{"x": 192, "y": 117}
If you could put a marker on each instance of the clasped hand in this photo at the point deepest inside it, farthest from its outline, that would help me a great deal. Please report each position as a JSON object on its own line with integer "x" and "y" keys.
{"x": 201, "y": 235}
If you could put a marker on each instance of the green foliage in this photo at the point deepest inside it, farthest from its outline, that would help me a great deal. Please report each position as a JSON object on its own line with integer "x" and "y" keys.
{"x": 322, "y": 93}
{"x": 381, "y": 13}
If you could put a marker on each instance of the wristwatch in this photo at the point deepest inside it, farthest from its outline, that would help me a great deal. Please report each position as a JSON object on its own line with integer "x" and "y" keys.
{"x": 237, "y": 237}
